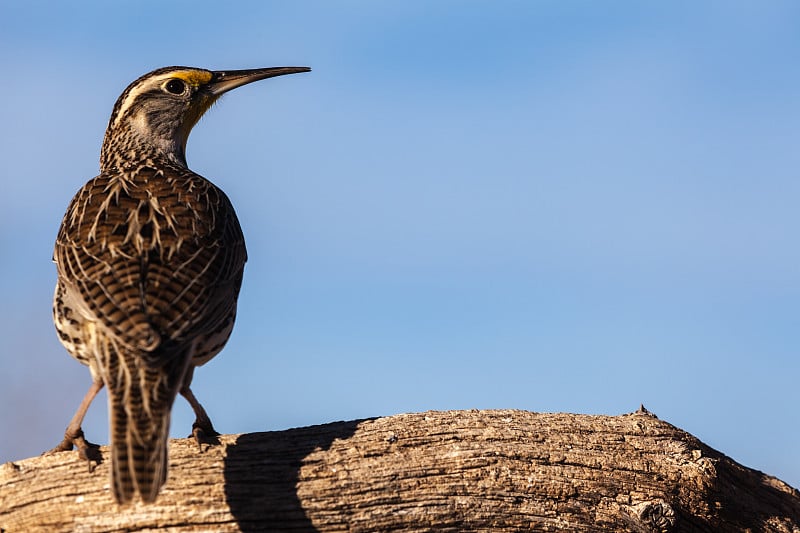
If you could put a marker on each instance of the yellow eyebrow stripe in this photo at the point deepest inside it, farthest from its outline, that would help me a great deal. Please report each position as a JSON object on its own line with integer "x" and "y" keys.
{"x": 192, "y": 77}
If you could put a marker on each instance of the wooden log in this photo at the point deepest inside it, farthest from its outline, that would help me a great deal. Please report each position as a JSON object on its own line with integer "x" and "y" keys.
{"x": 497, "y": 471}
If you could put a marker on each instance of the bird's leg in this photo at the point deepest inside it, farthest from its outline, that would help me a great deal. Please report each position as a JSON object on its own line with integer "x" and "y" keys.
{"x": 202, "y": 430}
{"x": 73, "y": 436}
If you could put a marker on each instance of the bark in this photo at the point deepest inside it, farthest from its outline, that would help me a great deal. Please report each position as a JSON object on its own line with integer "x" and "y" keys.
{"x": 443, "y": 471}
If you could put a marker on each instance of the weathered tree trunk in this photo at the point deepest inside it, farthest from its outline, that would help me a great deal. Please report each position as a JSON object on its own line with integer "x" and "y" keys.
{"x": 443, "y": 471}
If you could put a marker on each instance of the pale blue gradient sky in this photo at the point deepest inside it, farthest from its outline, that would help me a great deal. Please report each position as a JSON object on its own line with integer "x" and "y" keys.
{"x": 551, "y": 206}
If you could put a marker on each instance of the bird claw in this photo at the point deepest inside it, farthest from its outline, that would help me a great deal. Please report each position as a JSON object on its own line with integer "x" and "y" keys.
{"x": 204, "y": 434}
{"x": 63, "y": 446}
{"x": 87, "y": 451}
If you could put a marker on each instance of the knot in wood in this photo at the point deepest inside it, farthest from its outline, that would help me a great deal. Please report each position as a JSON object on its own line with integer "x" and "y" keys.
{"x": 656, "y": 515}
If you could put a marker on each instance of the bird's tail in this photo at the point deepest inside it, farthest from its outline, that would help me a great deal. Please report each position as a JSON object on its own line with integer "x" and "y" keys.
{"x": 140, "y": 396}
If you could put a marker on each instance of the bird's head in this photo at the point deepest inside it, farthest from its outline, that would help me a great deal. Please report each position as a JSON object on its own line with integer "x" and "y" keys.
{"x": 155, "y": 114}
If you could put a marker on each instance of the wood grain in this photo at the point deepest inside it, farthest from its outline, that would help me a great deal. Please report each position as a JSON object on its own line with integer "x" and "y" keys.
{"x": 501, "y": 470}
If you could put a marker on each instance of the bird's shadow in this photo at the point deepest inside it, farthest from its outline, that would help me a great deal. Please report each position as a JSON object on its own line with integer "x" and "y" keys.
{"x": 261, "y": 473}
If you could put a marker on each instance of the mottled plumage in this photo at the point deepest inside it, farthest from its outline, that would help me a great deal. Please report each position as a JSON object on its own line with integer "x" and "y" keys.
{"x": 150, "y": 259}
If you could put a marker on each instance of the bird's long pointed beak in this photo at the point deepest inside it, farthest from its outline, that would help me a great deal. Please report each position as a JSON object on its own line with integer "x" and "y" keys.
{"x": 225, "y": 80}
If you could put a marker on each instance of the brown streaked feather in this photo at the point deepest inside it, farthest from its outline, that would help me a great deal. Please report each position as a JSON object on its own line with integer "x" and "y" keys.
{"x": 153, "y": 256}
{"x": 140, "y": 401}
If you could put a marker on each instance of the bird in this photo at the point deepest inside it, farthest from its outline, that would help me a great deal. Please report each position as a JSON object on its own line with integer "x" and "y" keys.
{"x": 150, "y": 258}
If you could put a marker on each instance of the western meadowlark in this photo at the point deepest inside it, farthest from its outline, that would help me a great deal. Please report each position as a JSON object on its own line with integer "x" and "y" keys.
{"x": 150, "y": 259}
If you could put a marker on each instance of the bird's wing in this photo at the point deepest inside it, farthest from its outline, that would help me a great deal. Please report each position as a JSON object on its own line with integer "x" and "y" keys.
{"x": 155, "y": 259}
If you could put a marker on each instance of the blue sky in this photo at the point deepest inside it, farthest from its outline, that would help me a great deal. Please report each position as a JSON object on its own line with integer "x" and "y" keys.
{"x": 550, "y": 206}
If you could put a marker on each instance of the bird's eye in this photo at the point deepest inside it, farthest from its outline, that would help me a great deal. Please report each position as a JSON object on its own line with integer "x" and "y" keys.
{"x": 175, "y": 86}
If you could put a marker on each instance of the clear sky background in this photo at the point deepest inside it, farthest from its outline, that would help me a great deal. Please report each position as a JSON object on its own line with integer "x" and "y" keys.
{"x": 545, "y": 205}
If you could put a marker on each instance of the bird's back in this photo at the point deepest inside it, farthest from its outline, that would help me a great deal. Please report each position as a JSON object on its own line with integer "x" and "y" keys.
{"x": 156, "y": 257}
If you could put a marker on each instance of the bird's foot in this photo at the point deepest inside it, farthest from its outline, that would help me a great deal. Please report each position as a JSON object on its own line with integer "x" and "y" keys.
{"x": 204, "y": 433}
{"x": 87, "y": 451}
